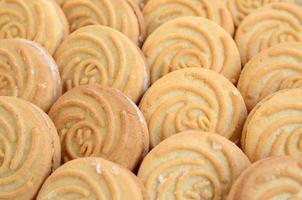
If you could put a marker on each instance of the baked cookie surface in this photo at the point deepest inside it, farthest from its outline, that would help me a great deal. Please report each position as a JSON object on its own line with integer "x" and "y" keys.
{"x": 92, "y": 178}
{"x": 29, "y": 149}
{"x": 191, "y": 42}
{"x": 274, "y": 69}
{"x": 268, "y": 26}
{"x": 121, "y": 15}
{"x": 100, "y": 122}
{"x": 41, "y": 21}
{"x": 157, "y": 12}
{"x": 193, "y": 98}
{"x": 192, "y": 165}
{"x": 102, "y": 55}
{"x": 242, "y": 8}
{"x": 27, "y": 71}
{"x": 274, "y": 127}
{"x": 273, "y": 178}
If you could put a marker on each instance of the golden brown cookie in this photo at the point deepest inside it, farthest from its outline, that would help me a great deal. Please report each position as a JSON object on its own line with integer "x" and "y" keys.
{"x": 29, "y": 149}
{"x": 268, "y": 26}
{"x": 191, "y": 42}
{"x": 102, "y": 55}
{"x": 157, "y": 12}
{"x": 92, "y": 178}
{"x": 193, "y": 99}
{"x": 277, "y": 178}
{"x": 121, "y": 15}
{"x": 192, "y": 165}
{"x": 101, "y": 122}
{"x": 41, "y": 21}
{"x": 274, "y": 69}
{"x": 27, "y": 71}
{"x": 241, "y": 8}
{"x": 274, "y": 127}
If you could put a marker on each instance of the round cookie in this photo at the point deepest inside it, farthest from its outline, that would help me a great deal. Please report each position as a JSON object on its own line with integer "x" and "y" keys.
{"x": 268, "y": 26}
{"x": 192, "y": 165}
{"x": 273, "y": 178}
{"x": 102, "y": 55}
{"x": 101, "y": 122}
{"x": 241, "y": 8}
{"x": 92, "y": 178}
{"x": 27, "y": 71}
{"x": 191, "y": 42}
{"x": 121, "y": 15}
{"x": 41, "y": 21}
{"x": 29, "y": 149}
{"x": 273, "y": 69}
{"x": 157, "y": 12}
{"x": 274, "y": 126}
{"x": 193, "y": 99}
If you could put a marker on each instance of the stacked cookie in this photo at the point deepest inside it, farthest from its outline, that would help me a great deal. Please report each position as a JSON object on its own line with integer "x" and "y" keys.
{"x": 150, "y": 99}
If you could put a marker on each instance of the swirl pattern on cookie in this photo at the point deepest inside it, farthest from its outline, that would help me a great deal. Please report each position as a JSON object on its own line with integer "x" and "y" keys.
{"x": 157, "y": 12}
{"x": 41, "y": 21}
{"x": 101, "y": 122}
{"x": 27, "y": 71}
{"x": 29, "y": 149}
{"x": 191, "y": 42}
{"x": 241, "y": 8}
{"x": 268, "y": 26}
{"x": 273, "y": 178}
{"x": 274, "y": 127}
{"x": 121, "y": 15}
{"x": 274, "y": 69}
{"x": 192, "y": 165}
{"x": 102, "y": 55}
{"x": 193, "y": 99}
{"x": 92, "y": 178}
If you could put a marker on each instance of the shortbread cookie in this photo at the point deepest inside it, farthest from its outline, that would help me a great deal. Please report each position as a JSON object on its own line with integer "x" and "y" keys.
{"x": 274, "y": 127}
{"x": 157, "y": 12}
{"x": 191, "y": 42}
{"x": 27, "y": 71}
{"x": 41, "y": 21}
{"x": 122, "y": 15}
{"x": 276, "y": 68}
{"x": 193, "y": 99}
{"x": 192, "y": 165}
{"x": 92, "y": 178}
{"x": 268, "y": 26}
{"x": 273, "y": 178}
{"x": 101, "y": 122}
{"x": 241, "y": 8}
{"x": 29, "y": 149}
{"x": 102, "y": 55}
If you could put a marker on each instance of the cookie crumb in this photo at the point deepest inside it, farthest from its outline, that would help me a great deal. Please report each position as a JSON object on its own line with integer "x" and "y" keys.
{"x": 216, "y": 146}
{"x": 161, "y": 178}
{"x": 114, "y": 170}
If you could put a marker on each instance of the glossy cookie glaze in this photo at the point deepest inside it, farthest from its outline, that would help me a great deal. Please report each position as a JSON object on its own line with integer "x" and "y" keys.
{"x": 29, "y": 149}
{"x": 102, "y": 55}
{"x": 192, "y": 165}
{"x": 101, "y": 122}
{"x": 193, "y": 98}
{"x": 191, "y": 42}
